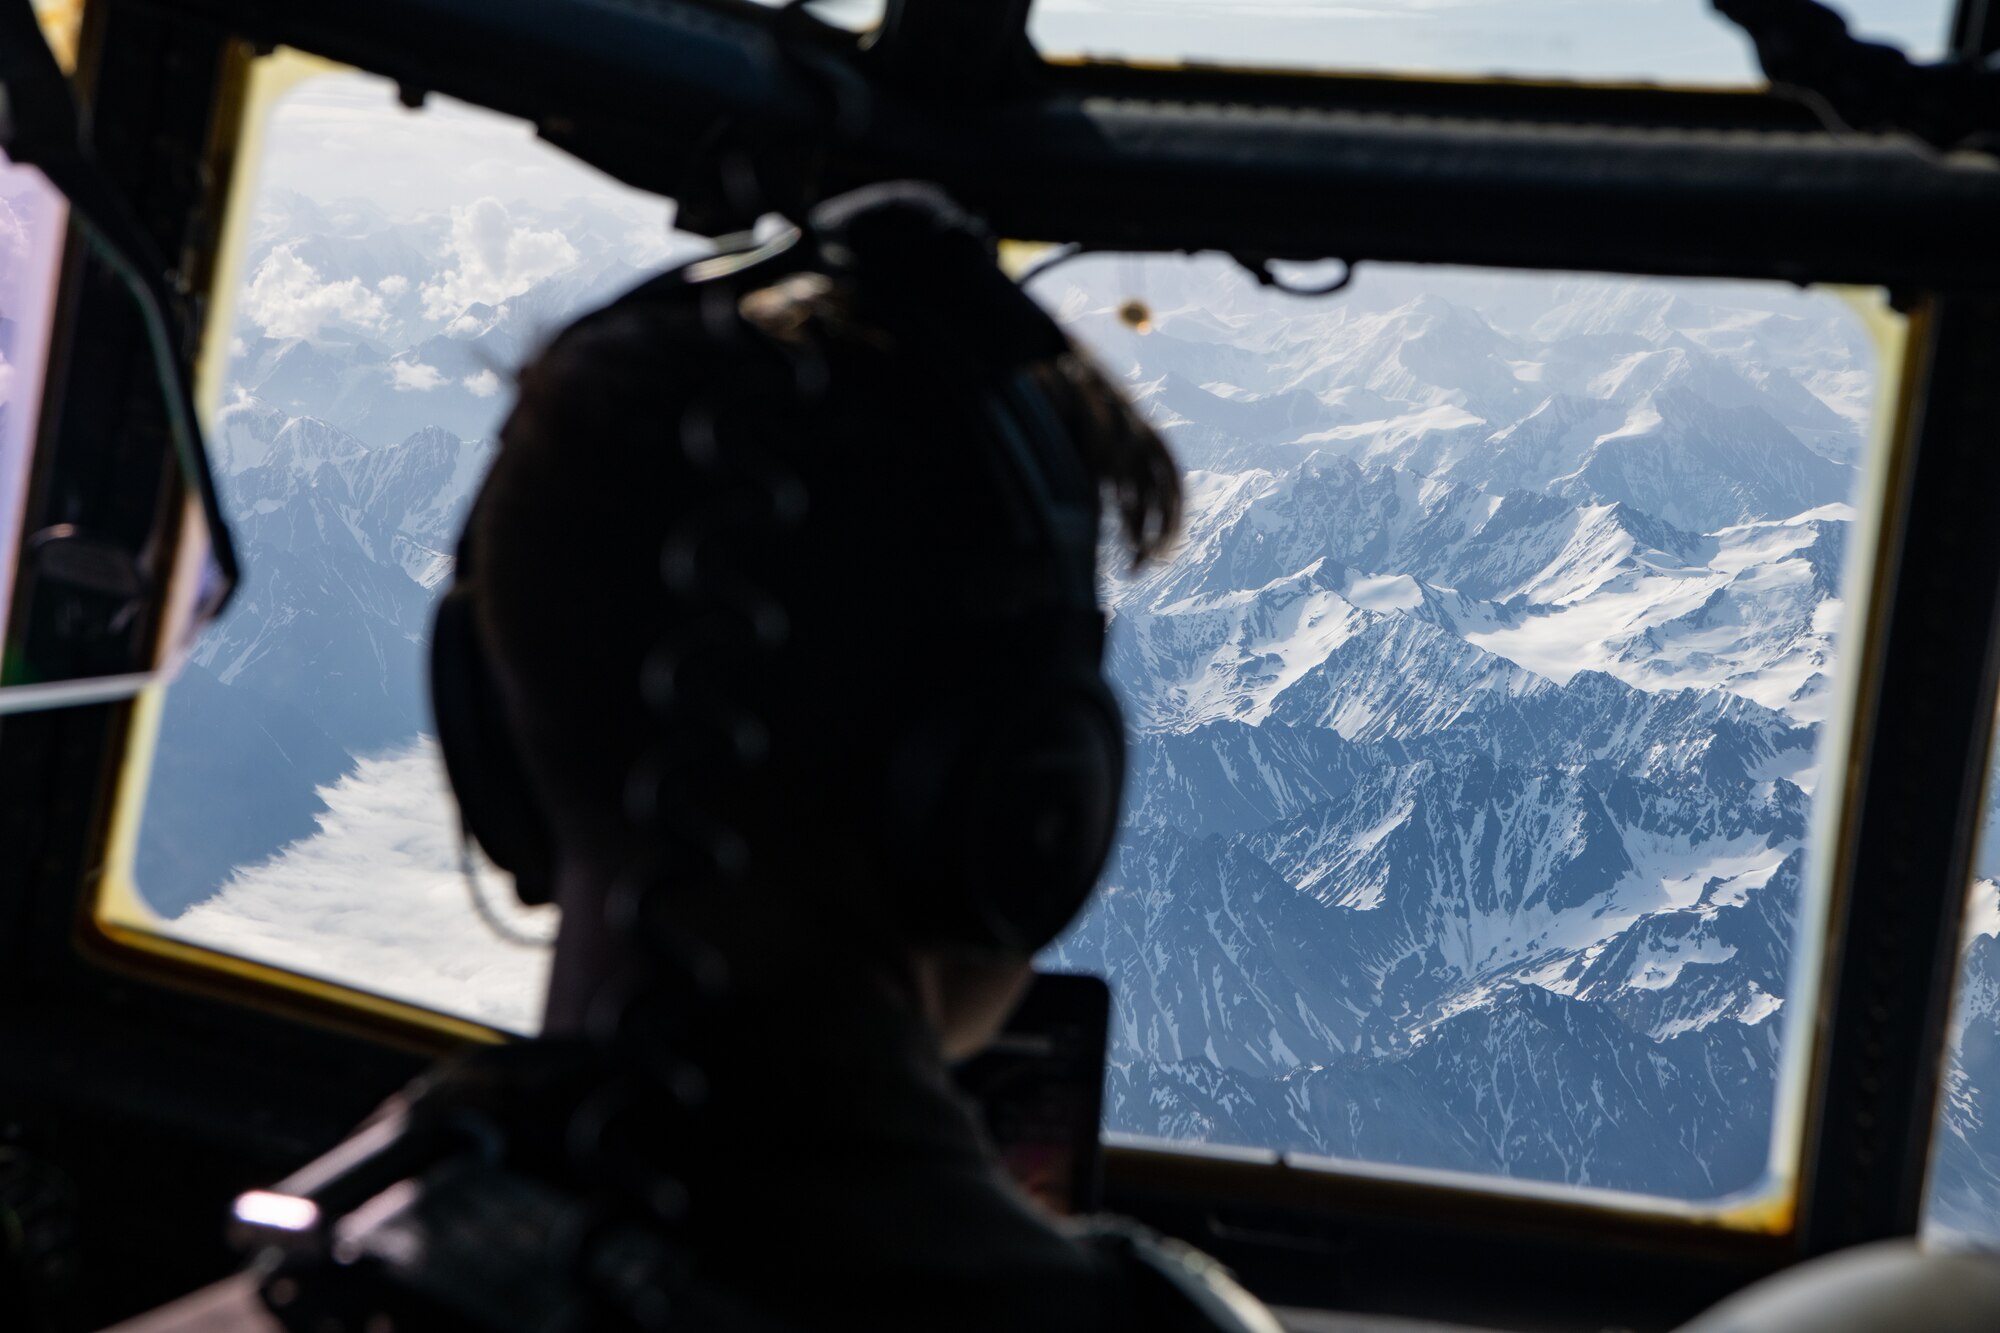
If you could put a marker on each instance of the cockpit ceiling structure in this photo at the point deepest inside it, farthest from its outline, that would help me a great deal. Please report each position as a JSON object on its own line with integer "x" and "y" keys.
{"x": 1116, "y": 156}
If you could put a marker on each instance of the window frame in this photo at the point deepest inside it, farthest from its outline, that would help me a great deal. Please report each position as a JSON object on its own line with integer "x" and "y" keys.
{"x": 1250, "y": 1213}
{"x": 115, "y": 927}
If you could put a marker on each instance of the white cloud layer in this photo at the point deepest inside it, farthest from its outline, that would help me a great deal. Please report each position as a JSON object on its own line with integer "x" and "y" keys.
{"x": 483, "y": 385}
{"x": 287, "y": 298}
{"x": 493, "y": 258}
{"x": 13, "y": 232}
{"x": 1982, "y": 914}
{"x": 376, "y": 900}
{"x": 393, "y": 286}
{"x": 414, "y": 376}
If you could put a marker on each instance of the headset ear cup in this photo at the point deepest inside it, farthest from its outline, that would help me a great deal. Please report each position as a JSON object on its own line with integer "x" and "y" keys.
{"x": 495, "y": 796}
{"x": 1023, "y": 820}
{"x": 1042, "y": 860}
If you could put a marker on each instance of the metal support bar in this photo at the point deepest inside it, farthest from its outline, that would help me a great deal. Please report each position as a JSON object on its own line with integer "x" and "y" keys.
{"x": 1798, "y": 208}
{"x": 1912, "y": 838}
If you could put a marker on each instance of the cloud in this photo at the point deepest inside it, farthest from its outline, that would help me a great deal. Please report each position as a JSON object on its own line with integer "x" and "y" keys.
{"x": 1982, "y": 916}
{"x": 414, "y": 376}
{"x": 13, "y": 231}
{"x": 6, "y": 380}
{"x": 393, "y": 286}
{"x": 19, "y": 269}
{"x": 483, "y": 385}
{"x": 493, "y": 258}
{"x": 287, "y": 298}
{"x": 376, "y": 900}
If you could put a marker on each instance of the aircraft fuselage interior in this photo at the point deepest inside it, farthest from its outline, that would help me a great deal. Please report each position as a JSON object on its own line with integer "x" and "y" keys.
{"x": 1555, "y": 886}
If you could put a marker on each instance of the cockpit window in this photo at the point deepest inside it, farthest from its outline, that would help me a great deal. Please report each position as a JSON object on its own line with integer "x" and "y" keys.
{"x": 1664, "y": 41}
{"x": 33, "y": 219}
{"x": 393, "y": 268}
{"x": 1478, "y": 724}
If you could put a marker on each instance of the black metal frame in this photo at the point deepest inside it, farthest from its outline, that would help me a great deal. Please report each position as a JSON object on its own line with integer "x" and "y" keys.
{"x": 1918, "y": 775}
{"x": 1636, "y": 180}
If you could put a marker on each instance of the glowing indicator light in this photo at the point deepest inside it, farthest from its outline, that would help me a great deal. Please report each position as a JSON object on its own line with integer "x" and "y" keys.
{"x": 280, "y": 1212}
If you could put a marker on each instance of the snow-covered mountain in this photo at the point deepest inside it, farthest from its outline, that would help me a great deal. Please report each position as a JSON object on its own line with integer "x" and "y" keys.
{"x": 1475, "y": 718}
{"x": 1965, "y": 1168}
{"x": 1474, "y": 721}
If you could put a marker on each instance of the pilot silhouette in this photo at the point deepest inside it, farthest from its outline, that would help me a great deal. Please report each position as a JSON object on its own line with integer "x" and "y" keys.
{"x": 774, "y": 657}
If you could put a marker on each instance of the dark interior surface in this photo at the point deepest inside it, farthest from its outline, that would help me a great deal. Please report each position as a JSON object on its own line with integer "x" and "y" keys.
{"x": 135, "y": 1103}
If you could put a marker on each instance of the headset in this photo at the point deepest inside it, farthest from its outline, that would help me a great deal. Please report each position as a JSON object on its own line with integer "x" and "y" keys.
{"x": 1002, "y": 789}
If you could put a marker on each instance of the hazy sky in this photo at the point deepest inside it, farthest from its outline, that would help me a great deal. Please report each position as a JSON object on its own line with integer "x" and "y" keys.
{"x": 345, "y": 136}
{"x": 1668, "y": 40}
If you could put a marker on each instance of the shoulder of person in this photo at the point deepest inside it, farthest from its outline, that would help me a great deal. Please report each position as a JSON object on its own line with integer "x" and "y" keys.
{"x": 1174, "y": 1286}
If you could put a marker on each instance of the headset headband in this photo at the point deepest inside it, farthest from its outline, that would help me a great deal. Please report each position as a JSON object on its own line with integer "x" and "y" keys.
{"x": 923, "y": 269}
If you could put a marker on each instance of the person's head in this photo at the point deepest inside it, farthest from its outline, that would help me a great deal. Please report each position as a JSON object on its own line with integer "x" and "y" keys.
{"x": 768, "y": 604}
